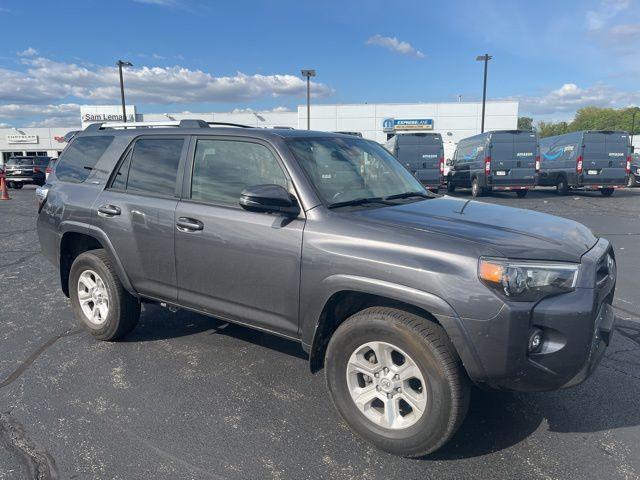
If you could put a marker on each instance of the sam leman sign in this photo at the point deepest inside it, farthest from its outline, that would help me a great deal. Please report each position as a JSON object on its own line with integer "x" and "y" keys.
{"x": 395, "y": 124}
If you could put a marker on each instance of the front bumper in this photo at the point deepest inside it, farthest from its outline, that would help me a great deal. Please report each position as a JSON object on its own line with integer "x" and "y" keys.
{"x": 577, "y": 328}
{"x": 25, "y": 180}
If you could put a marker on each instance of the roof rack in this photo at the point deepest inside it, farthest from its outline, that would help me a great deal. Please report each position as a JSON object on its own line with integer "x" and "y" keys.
{"x": 189, "y": 123}
{"x": 227, "y": 124}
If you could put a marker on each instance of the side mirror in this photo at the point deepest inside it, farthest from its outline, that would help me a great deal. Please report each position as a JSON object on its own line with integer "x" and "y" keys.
{"x": 269, "y": 199}
{"x": 449, "y": 162}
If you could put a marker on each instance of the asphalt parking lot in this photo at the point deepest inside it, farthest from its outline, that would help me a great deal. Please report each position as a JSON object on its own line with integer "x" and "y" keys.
{"x": 189, "y": 397}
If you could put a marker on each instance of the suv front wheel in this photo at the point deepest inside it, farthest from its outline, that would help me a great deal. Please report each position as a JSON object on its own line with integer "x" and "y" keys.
{"x": 98, "y": 299}
{"x": 396, "y": 380}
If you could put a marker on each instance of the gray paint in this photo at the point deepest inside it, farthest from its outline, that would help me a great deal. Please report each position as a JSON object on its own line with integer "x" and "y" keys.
{"x": 277, "y": 274}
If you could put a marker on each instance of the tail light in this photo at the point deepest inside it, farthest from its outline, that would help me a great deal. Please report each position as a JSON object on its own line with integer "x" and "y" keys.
{"x": 442, "y": 165}
{"x": 36, "y": 169}
{"x": 48, "y": 170}
{"x": 487, "y": 165}
{"x": 579, "y": 165}
{"x": 628, "y": 168}
{"x": 537, "y": 163}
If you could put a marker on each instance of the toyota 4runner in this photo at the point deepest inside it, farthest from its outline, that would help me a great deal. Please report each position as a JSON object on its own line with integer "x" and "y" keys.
{"x": 405, "y": 298}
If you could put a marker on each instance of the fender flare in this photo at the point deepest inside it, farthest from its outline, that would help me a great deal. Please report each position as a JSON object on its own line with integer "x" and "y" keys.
{"x": 429, "y": 302}
{"x": 103, "y": 239}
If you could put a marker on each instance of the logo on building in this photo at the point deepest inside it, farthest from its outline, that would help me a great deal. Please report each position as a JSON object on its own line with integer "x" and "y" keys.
{"x": 22, "y": 139}
{"x": 59, "y": 139}
{"x": 390, "y": 125}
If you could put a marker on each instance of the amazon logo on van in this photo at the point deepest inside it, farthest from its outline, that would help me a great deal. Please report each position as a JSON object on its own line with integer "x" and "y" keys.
{"x": 616, "y": 154}
{"x": 524, "y": 154}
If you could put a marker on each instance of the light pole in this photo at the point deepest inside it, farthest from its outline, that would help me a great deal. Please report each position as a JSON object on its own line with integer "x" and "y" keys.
{"x": 120, "y": 64}
{"x": 484, "y": 58}
{"x": 633, "y": 126}
{"x": 308, "y": 74}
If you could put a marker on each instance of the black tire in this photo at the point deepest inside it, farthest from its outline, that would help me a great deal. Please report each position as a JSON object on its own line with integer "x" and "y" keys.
{"x": 561, "y": 186}
{"x": 521, "y": 193}
{"x": 631, "y": 182}
{"x": 476, "y": 189}
{"x": 446, "y": 384}
{"x": 451, "y": 186}
{"x": 17, "y": 185}
{"x": 9, "y": 184}
{"x": 607, "y": 192}
{"x": 124, "y": 308}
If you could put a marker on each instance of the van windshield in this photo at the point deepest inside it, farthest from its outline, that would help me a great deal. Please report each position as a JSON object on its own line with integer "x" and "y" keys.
{"x": 343, "y": 170}
{"x": 20, "y": 161}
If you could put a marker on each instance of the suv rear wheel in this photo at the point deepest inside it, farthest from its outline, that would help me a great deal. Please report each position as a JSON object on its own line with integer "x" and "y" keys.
{"x": 98, "y": 299}
{"x": 606, "y": 192}
{"x": 521, "y": 193}
{"x": 451, "y": 186}
{"x": 396, "y": 380}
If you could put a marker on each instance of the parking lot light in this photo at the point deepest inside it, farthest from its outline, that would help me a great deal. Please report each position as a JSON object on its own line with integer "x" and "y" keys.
{"x": 308, "y": 74}
{"x": 484, "y": 58}
{"x": 120, "y": 64}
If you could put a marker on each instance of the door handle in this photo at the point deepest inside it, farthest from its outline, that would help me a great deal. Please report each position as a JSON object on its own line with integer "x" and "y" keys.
{"x": 108, "y": 210}
{"x": 185, "y": 224}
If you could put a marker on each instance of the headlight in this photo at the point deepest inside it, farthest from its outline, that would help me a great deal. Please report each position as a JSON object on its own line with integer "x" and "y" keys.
{"x": 527, "y": 281}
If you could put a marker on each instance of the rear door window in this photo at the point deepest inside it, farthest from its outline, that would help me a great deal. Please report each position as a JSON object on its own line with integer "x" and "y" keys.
{"x": 77, "y": 161}
{"x": 151, "y": 167}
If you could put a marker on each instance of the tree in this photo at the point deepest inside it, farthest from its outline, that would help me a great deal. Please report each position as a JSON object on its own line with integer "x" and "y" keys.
{"x": 525, "y": 123}
{"x": 593, "y": 118}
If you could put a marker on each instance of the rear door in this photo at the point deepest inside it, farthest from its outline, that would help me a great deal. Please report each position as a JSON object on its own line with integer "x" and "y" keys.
{"x": 137, "y": 209}
{"x": 420, "y": 153}
{"x": 513, "y": 158}
{"x": 604, "y": 158}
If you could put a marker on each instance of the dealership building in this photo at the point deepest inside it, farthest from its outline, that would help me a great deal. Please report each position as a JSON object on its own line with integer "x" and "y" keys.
{"x": 376, "y": 121}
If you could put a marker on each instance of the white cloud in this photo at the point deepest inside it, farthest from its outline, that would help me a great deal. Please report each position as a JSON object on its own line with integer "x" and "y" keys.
{"x": 395, "y": 45}
{"x": 161, "y": 3}
{"x": 70, "y": 111}
{"x": 279, "y": 109}
{"x": 29, "y": 52}
{"x": 570, "y": 97}
{"x": 607, "y": 9}
{"x": 48, "y": 82}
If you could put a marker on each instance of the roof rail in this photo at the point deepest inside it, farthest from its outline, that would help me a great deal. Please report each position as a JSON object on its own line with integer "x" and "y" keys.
{"x": 227, "y": 124}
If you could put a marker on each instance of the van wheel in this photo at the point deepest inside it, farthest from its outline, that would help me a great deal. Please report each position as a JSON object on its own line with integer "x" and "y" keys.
{"x": 397, "y": 381}
{"x": 451, "y": 187}
{"x": 476, "y": 190}
{"x": 607, "y": 192}
{"x": 561, "y": 186}
{"x": 521, "y": 193}
{"x": 99, "y": 301}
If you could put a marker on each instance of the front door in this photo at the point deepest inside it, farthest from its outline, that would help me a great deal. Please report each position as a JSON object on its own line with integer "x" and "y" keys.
{"x": 242, "y": 266}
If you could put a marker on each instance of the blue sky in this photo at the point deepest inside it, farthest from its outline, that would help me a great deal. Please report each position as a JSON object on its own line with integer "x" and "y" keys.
{"x": 194, "y": 55}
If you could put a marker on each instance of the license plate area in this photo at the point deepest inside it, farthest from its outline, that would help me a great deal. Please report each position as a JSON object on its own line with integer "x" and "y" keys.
{"x": 501, "y": 173}
{"x": 593, "y": 172}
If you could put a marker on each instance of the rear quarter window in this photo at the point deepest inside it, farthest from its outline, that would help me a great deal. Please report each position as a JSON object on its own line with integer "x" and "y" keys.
{"x": 77, "y": 161}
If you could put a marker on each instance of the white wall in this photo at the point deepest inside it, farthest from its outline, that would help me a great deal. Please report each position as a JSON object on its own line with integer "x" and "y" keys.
{"x": 46, "y": 140}
{"x": 453, "y": 121}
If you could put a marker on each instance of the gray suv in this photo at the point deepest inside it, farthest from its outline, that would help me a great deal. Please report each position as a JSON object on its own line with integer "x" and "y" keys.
{"x": 405, "y": 298}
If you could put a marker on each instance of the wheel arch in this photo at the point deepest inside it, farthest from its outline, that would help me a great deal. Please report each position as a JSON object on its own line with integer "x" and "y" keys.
{"x": 75, "y": 241}
{"x": 346, "y": 301}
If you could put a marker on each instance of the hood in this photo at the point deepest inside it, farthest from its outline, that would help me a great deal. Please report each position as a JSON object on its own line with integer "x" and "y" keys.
{"x": 513, "y": 232}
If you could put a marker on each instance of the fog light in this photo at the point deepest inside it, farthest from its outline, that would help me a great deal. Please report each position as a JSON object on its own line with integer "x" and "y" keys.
{"x": 535, "y": 341}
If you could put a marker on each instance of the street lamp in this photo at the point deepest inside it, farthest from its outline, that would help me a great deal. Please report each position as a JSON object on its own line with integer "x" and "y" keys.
{"x": 484, "y": 58}
{"x": 633, "y": 126}
{"x": 308, "y": 74}
{"x": 120, "y": 64}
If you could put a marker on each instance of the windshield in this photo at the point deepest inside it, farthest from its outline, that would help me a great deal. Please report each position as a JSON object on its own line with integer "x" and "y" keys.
{"x": 346, "y": 169}
{"x": 20, "y": 161}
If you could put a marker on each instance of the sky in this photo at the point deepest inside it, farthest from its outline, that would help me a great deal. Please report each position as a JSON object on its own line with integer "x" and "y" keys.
{"x": 192, "y": 55}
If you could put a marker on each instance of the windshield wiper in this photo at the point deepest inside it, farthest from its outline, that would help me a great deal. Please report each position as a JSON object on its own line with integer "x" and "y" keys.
{"x": 359, "y": 201}
{"x": 407, "y": 195}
